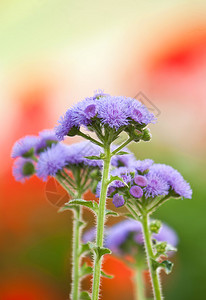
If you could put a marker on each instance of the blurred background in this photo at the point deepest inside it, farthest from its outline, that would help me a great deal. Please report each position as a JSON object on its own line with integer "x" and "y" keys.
{"x": 54, "y": 53}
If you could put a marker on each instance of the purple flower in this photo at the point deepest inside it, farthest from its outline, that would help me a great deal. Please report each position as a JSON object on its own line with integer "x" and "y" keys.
{"x": 174, "y": 179}
{"x": 65, "y": 125}
{"x": 25, "y": 146}
{"x": 77, "y": 153}
{"x": 114, "y": 111}
{"x": 139, "y": 113}
{"x": 123, "y": 173}
{"x": 47, "y": 137}
{"x": 156, "y": 186}
{"x": 136, "y": 191}
{"x": 90, "y": 111}
{"x": 57, "y": 157}
{"x": 118, "y": 200}
{"x": 52, "y": 161}
{"x": 23, "y": 168}
{"x": 118, "y": 234}
{"x": 140, "y": 180}
{"x": 143, "y": 165}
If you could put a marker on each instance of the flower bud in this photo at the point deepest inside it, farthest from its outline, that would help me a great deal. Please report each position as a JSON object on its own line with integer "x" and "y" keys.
{"x": 155, "y": 226}
{"x": 146, "y": 135}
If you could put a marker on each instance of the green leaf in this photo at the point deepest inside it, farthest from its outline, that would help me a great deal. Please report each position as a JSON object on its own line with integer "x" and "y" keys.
{"x": 85, "y": 270}
{"x": 166, "y": 265}
{"x": 66, "y": 207}
{"x": 85, "y": 296}
{"x": 114, "y": 178}
{"x": 121, "y": 153}
{"x": 109, "y": 212}
{"x": 85, "y": 248}
{"x": 106, "y": 275}
{"x": 99, "y": 250}
{"x": 90, "y": 204}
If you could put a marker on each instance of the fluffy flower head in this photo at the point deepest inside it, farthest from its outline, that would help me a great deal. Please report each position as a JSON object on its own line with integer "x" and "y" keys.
{"x": 25, "y": 147}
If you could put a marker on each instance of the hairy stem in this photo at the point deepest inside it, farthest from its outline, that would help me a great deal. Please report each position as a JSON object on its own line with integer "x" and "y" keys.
{"x": 76, "y": 257}
{"x": 150, "y": 255}
{"x": 76, "y": 244}
{"x": 100, "y": 224}
{"x": 139, "y": 284}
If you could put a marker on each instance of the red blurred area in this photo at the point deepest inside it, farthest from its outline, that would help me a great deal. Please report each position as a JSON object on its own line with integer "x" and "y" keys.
{"x": 177, "y": 67}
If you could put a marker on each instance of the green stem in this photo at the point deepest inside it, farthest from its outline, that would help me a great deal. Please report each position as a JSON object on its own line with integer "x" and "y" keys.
{"x": 133, "y": 212}
{"x": 61, "y": 181}
{"x": 139, "y": 284}
{"x": 76, "y": 258}
{"x": 158, "y": 204}
{"x": 90, "y": 139}
{"x": 122, "y": 146}
{"x": 150, "y": 255}
{"x": 76, "y": 244}
{"x": 100, "y": 224}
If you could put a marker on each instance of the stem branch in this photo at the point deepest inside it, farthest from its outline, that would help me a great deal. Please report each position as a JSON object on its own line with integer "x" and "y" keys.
{"x": 100, "y": 224}
{"x": 150, "y": 255}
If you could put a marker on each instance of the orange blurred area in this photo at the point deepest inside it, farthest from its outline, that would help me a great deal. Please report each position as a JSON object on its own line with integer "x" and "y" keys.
{"x": 27, "y": 288}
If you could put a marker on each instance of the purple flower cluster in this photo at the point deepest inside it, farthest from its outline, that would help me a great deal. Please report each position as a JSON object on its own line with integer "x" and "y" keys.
{"x": 113, "y": 111}
{"x": 51, "y": 161}
{"x": 118, "y": 234}
{"x": 144, "y": 178}
{"x": 172, "y": 178}
{"x": 59, "y": 156}
{"x": 32, "y": 145}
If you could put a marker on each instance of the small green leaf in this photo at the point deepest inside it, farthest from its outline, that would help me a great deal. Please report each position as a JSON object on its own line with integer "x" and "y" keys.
{"x": 121, "y": 153}
{"x": 85, "y": 248}
{"x": 106, "y": 275}
{"x": 167, "y": 265}
{"x": 85, "y": 296}
{"x": 109, "y": 212}
{"x": 100, "y": 251}
{"x": 85, "y": 270}
{"x": 114, "y": 178}
{"x": 66, "y": 207}
{"x": 90, "y": 204}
